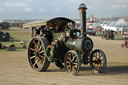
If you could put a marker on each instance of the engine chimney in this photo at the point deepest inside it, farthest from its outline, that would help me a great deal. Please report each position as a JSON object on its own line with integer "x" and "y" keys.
{"x": 82, "y": 8}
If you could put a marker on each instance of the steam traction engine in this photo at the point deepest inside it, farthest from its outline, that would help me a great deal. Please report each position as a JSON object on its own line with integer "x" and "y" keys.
{"x": 58, "y": 41}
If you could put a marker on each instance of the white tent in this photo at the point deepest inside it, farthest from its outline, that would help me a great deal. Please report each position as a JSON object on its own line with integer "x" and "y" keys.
{"x": 121, "y": 23}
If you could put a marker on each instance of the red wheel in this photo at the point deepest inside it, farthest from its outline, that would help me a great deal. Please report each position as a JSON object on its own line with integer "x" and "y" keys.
{"x": 126, "y": 45}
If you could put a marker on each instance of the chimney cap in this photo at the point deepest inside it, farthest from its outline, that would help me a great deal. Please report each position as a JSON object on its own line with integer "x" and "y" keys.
{"x": 82, "y": 6}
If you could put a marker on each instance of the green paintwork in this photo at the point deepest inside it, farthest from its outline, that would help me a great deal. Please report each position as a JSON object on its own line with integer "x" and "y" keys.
{"x": 59, "y": 36}
{"x": 69, "y": 44}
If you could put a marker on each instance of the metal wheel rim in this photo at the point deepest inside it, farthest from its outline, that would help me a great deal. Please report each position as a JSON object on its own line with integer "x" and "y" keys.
{"x": 98, "y": 61}
{"x": 72, "y": 63}
{"x": 36, "y": 54}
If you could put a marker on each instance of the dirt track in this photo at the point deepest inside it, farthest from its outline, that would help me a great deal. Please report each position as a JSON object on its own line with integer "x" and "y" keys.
{"x": 15, "y": 70}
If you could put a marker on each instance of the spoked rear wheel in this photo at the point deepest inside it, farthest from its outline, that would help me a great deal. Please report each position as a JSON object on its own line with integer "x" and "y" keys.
{"x": 37, "y": 54}
{"x": 72, "y": 62}
{"x": 98, "y": 61}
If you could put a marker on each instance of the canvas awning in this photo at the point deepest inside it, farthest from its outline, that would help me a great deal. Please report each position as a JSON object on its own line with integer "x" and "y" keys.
{"x": 51, "y": 22}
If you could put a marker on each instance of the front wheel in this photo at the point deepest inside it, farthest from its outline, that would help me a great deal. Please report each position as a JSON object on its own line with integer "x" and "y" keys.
{"x": 72, "y": 62}
{"x": 98, "y": 61}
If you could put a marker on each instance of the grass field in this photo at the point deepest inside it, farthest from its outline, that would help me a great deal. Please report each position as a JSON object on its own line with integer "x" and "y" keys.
{"x": 117, "y": 36}
{"x": 18, "y": 35}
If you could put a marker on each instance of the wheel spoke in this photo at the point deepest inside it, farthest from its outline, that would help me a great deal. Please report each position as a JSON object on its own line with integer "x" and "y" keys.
{"x": 42, "y": 56}
{"x": 69, "y": 68}
{"x": 35, "y": 62}
{"x": 38, "y": 44}
{"x": 41, "y": 52}
{"x": 68, "y": 61}
{"x": 32, "y": 49}
{"x": 94, "y": 64}
{"x": 94, "y": 59}
{"x": 102, "y": 63}
{"x": 32, "y": 57}
{"x": 40, "y": 47}
{"x": 69, "y": 58}
{"x": 74, "y": 58}
{"x": 95, "y": 55}
{"x": 101, "y": 58}
{"x": 35, "y": 44}
{"x": 39, "y": 62}
{"x": 75, "y": 63}
{"x": 74, "y": 69}
{"x": 99, "y": 55}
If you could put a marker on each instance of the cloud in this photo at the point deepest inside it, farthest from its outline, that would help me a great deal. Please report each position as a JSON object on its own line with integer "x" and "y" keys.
{"x": 120, "y": 4}
{"x": 56, "y": 10}
{"x": 42, "y": 10}
{"x": 71, "y": 0}
{"x": 2, "y": 9}
{"x": 69, "y": 8}
{"x": 28, "y": 9}
{"x": 14, "y": 4}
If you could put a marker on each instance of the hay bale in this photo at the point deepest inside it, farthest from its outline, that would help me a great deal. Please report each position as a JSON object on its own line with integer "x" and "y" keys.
{"x": 11, "y": 48}
{"x": 21, "y": 42}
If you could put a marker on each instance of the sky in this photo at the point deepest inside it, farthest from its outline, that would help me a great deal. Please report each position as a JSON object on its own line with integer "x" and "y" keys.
{"x": 44, "y": 9}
